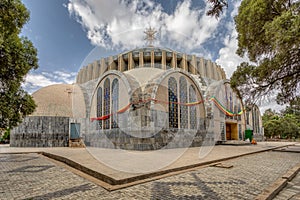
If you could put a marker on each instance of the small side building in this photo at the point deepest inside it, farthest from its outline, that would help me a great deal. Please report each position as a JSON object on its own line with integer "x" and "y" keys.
{"x": 48, "y": 126}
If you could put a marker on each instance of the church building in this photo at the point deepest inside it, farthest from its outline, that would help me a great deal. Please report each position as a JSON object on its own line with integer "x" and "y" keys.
{"x": 143, "y": 99}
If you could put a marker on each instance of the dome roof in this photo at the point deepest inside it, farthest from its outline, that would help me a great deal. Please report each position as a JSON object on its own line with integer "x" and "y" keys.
{"x": 54, "y": 100}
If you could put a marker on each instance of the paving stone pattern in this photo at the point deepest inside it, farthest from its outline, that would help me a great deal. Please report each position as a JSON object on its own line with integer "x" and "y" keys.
{"x": 291, "y": 191}
{"x": 31, "y": 176}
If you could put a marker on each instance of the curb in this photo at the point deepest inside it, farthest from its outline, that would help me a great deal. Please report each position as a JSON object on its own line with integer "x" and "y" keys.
{"x": 138, "y": 178}
{"x": 270, "y": 192}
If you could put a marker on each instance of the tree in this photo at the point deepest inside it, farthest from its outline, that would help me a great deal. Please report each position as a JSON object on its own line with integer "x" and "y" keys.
{"x": 280, "y": 125}
{"x": 293, "y": 109}
{"x": 269, "y": 34}
{"x": 17, "y": 57}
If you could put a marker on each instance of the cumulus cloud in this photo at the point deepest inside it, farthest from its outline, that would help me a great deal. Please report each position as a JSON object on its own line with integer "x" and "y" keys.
{"x": 120, "y": 24}
{"x": 228, "y": 59}
{"x": 34, "y": 81}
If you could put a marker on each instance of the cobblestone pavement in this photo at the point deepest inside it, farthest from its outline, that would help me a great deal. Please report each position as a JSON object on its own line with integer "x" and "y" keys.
{"x": 291, "y": 191}
{"x": 32, "y": 176}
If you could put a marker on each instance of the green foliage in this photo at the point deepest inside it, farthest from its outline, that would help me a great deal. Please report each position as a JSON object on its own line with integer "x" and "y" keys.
{"x": 6, "y": 137}
{"x": 17, "y": 57}
{"x": 269, "y": 34}
{"x": 284, "y": 125}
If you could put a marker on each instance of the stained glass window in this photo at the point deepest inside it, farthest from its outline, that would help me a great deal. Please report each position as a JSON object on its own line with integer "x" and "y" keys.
{"x": 183, "y": 99}
{"x": 173, "y": 106}
{"x": 99, "y": 107}
{"x": 222, "y": 129}
{"x": 115, "y": 103}
{"x": 106, "y": 108}
{"x": 193, "y": 116}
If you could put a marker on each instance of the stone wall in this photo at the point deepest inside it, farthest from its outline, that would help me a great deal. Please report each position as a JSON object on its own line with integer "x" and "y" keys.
{"x": 41, "y": 131}
{"x": 172, "y": 138}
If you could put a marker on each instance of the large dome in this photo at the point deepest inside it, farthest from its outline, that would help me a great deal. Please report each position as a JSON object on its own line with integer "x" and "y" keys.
{"x": 54, "y": 100}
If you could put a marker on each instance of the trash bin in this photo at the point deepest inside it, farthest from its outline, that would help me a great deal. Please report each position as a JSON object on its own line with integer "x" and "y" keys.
{"x": 249, "y": 134}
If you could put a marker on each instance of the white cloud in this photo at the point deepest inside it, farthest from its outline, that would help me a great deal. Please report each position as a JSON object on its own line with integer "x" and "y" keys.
{"x": 228, "y": 59}
{"x": 120, "y": 24}
{"x": 34, "y": 81}
{"x": 39, "y": 80}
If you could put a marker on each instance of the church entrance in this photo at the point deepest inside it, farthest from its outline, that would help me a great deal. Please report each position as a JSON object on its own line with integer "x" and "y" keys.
{"x": 231, "y": 131}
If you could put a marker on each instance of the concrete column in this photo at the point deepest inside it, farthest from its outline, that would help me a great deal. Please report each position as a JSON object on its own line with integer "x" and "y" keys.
{"x": 95, "y": 68}
{"x": 209, "y": 69}
{"x": 112, "y": 64}
{"x": 141, "y": 59}
{"x": 202, "y": 68}
{"x": 130, "y": 61}
{"x": 219, "y": 73}
{"x": 214, "y": 71}
{"x": 174, "y": 60}
{"x": 121, "y": 63}
{"x": 163, "y": 60}
{"x": 90, "y": 71}
{"x": 85, "y": 74}
{"x": 82, "y": 75}
{"x": 193, "y": 65}
{"x": 78, "y": 78}
{"x": 103, "y": 66}
{"x": 183, "y": 64}
{"x": 152, "y": 59}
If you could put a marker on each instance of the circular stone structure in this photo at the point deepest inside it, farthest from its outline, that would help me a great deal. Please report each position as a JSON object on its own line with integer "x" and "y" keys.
{"x": 54, "y": 100}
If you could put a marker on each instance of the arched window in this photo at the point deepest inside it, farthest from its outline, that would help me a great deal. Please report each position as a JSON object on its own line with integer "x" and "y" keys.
{"x": 193, "y": 116}
{"x": 173, "y": 100}
{"x": 106, "y": 108}
{"x": 115, "y": 103}
{"x": 99, "y": 106}
{"x": 183, "y": 99}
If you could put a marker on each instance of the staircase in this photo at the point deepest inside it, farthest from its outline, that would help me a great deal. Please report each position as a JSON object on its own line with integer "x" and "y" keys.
{"x": 76, "y": 143}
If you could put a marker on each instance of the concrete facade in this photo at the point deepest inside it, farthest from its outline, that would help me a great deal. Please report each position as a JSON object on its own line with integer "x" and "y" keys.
{"x": 154, "y": 58}
{"x": 41, "y": 131}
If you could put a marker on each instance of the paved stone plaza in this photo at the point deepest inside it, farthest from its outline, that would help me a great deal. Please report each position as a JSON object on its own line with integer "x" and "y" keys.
{"x": 32, "y": 176}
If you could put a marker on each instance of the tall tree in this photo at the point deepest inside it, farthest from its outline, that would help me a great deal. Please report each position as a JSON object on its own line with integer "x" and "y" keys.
{"x": 280, "y": 125}
{"x": 17, "y": 57}
{"x": 269, "y": 34}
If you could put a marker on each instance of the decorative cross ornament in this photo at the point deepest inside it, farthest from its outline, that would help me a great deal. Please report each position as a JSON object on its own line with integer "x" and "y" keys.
{"x": 150, "y": 35}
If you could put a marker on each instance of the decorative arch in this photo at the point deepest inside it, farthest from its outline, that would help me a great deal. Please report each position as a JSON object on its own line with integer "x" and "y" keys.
{"x": 173, "y": 103}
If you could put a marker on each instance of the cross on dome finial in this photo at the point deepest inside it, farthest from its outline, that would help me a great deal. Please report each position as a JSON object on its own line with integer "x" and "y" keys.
{"x": 150, "y": 35}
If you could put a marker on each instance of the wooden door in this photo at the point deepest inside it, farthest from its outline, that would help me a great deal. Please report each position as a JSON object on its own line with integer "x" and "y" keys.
{"x": 228, "y": 132}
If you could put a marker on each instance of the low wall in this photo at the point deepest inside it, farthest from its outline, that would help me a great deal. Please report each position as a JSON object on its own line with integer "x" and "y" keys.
{"x": 117, "y": 139}
{"x": 41, "y": 131}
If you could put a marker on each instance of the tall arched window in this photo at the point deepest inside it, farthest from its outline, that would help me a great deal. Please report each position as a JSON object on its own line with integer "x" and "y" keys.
{"x": 173, "y": 100}
{"x": 115, "y": 103}
{"x": 183, "y": 99}
{"x": 193, "y": 116}
{"x": 106, "y": 108}
{"x": 99, "y": 106}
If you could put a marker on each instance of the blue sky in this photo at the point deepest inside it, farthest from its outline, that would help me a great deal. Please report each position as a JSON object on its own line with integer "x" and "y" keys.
{"x": 72, "y": 33}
